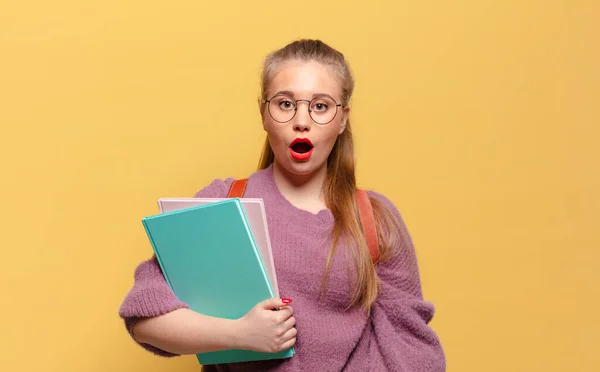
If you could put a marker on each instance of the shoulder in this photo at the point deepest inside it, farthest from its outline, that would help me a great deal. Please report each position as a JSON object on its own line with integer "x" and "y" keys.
{"x": 385, "y": 202}
{"x": 219, "y": 187}
{"x": 389, "y": 214}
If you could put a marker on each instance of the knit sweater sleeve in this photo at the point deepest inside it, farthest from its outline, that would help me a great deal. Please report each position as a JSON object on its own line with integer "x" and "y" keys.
{"x": 150, "y": 294}
{"x": 400, "y": 315}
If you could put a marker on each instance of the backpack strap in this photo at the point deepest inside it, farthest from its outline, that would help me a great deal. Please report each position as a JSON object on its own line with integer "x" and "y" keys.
{"x": 365, "y": 212}
{"x": 367, "y": 221}
{"x": 238, "y": 188}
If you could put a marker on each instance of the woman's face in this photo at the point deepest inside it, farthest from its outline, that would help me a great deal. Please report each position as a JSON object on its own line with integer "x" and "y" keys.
{"x": 301, "y": 145}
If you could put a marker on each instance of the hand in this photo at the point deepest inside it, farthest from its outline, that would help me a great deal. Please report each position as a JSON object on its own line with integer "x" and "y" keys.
{"x": 265, "y": 330}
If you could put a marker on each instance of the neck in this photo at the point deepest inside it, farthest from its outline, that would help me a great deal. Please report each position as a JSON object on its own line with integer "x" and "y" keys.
{"x": 303, "y": 190}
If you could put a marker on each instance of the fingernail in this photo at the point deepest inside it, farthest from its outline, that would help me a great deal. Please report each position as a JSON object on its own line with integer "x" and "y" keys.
{"x": 286, "y": 300}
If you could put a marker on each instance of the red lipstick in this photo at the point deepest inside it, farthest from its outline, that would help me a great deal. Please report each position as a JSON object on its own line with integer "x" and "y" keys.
{"x": 301, "y": 149}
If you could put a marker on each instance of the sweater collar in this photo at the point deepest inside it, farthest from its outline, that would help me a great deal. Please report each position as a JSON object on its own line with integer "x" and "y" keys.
{"x": 272, "y": 192}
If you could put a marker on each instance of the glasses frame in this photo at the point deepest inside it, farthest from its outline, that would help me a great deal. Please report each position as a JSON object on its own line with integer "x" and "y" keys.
{"x": 268, "y": 102}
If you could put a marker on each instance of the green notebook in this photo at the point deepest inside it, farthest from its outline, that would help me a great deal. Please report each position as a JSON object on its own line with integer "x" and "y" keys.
{"x": 210, "y": 260}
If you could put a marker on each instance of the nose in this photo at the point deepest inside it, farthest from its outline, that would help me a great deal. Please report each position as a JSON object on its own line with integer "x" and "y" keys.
{"x": 302, "y": 120}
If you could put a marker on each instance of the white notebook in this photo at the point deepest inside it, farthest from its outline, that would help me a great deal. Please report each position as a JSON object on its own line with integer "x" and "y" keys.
{"x": 255, "y": 212}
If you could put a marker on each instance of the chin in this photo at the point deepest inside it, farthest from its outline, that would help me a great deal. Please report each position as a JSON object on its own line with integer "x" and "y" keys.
{"x": 301, "y": 168}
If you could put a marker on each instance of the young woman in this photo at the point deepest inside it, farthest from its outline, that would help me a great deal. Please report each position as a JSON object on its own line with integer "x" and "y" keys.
{"x": 348, "y": 313}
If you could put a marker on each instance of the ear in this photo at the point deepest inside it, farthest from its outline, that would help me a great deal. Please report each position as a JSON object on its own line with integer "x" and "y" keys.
{"x": 261, "y": 109}
{"x": 345, "y": 115}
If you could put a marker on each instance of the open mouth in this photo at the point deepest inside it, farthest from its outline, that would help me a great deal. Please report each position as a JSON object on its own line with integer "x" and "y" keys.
{"x": 301, "y": 148}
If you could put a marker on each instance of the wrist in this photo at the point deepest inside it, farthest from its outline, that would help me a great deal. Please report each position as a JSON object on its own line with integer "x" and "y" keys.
{"x": 234, "y": 334}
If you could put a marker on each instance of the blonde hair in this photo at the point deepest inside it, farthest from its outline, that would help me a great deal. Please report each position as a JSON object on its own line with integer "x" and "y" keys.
{"x": 340, "y": 182}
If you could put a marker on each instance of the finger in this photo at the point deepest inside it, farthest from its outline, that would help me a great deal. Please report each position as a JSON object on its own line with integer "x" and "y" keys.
{"x": 289, "y": 323}
{"x": 283, "y": 315}
{"x": 288, "y": 344}
{"x": 271, "y": 303}
{"x": 291, "y": 333}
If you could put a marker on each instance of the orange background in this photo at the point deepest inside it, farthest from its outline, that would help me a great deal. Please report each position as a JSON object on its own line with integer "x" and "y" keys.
{"x": 479, "y": 119}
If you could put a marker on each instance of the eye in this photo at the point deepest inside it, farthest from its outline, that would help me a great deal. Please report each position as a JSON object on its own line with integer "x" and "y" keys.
{"x": 320, "y": 107}
{"x": 285, "y": 103}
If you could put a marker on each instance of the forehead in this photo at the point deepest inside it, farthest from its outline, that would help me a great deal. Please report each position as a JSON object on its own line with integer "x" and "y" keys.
{"x": 305, "y": 78}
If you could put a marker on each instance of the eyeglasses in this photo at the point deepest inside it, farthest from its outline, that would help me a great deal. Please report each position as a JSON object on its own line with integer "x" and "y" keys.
{"x": 283, "y": 108}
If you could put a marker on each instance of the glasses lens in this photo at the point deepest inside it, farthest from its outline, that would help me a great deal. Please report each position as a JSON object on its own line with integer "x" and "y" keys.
{"x": 323, "y": 110}
{"x": 282, "y": 108}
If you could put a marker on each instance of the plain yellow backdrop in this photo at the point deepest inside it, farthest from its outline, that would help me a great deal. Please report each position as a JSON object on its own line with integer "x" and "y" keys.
{"x": 479, "y": 119}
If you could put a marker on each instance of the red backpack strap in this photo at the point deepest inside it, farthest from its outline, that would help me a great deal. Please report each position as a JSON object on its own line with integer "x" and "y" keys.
{"x": 367, "y": 220}
{"x": 238, "y": 188}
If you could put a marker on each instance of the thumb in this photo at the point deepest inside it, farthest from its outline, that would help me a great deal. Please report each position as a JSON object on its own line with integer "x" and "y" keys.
{"x": 274, "y": 303}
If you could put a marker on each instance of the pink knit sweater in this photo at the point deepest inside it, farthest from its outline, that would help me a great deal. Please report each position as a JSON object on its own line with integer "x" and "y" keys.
{"x": 395, "y": 337}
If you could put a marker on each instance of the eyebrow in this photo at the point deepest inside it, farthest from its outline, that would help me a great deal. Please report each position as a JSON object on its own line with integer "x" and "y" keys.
{"x": 291, "y": 94}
